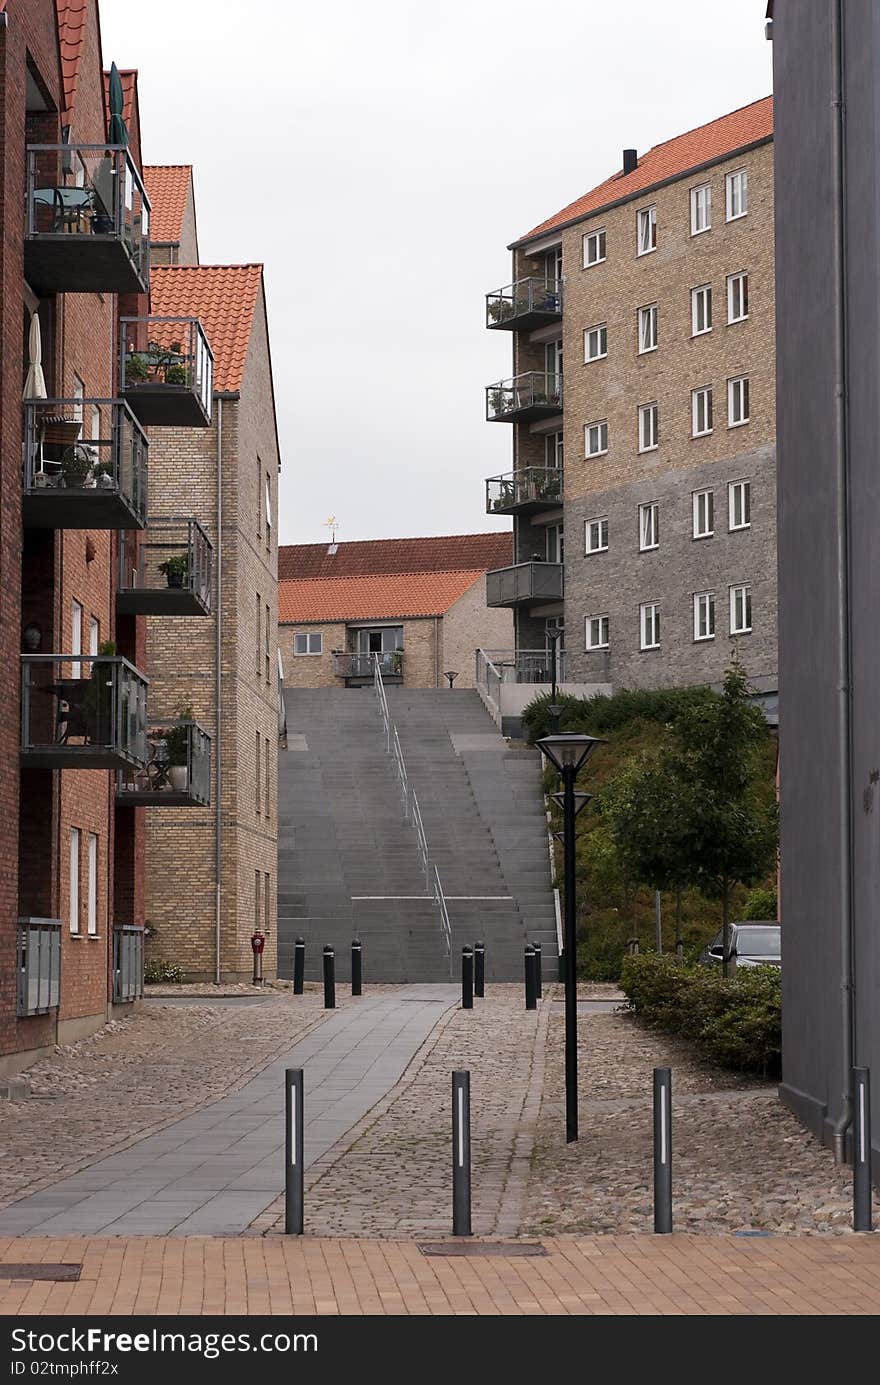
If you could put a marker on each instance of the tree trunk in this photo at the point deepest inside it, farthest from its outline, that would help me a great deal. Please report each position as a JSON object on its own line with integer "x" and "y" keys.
{"x": 725, "y": 929}
{"x": 678, "y": 942}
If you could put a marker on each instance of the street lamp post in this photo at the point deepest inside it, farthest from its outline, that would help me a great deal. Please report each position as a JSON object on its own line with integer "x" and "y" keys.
{"x": 569, "y": 753}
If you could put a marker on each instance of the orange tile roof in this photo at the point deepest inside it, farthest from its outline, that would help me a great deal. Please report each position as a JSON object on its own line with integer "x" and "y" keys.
{"x": 72, "y": 18}
{"x": 749, "y": 125}
{"x": 385, "y": 596}
{"x": 224, "y": 297}
{"x": 448, "y": 553}
{"x": 129, "y": 78}
{"x": 167, "y": 188}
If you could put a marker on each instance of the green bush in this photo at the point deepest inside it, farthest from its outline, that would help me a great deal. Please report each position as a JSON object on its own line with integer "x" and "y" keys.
{"x": 600, "y": 715}
{"x": 159, "y": 972}
{"x": 736, "y": 1023}
{"x": 760, "y": 904}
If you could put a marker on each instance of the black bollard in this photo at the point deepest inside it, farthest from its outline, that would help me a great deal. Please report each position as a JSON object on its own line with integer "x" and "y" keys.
{"x": 461, "y": 1154}
{"x": 539, "y": 972}
{"x": 356, "y": 968}
{"x": 861, "y": 1137}
{"x": 662, "y": 1151}
{"x": 531, "y": 985}
{"x": 299, "y": 965}
{"x": 329, "y": 978}
{"x": 293, "y": 1151}
{"x": 467, "y": 979}
{"x": 479, "y": 970}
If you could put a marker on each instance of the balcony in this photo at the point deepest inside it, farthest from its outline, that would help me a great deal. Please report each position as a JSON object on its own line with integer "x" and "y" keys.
{"x": 177, "y": 773}
{"x": 82, "y": 711}
{"x": 361, "y": 666}
{"x": 128, "y": 963}
{"x": 525, "y": 305}
{"x": 524, "y": 584}
{"x": 38, "y": 966}
{"x": 524, "y": 492}
{"x": 532, "y": 395}
{"x": 169, "y": 573}
{"x": 85, "y": 465}
{"x": 166, "y": 371}
{"x": 87, "y": 220}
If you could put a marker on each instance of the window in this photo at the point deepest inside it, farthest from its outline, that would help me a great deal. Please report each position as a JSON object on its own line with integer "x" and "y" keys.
{"x": 76, "y": 637}
{"x": 596, "y": 437}
{"x": 74, "y": 880}
{"x": 308, "y": 643}
{"x": 649, "y": 427}
{"x": 738, "y": 401}
{"x": 701, "y": 411}
{"x": 646, "y": 222}
{"x": 257, "y": 913}
{"x": 740, "y": 610}
{"x": 649, "y": 527}
{"x": 737, "y": 297}
{"x": 648, "y": 328}
{"x": 258, "y": 797}
{"x": 259, "y": 497}
{"x": 594, "y": 248}
{"x": 701, "y": 310}
{"x": 704, "y": 616}
{"x": 596, "y": 342}
{"x": 259, "y": 640}
{"x": 597, "y": 632}
{"x": 268, "y": 513}
{"x": 266, "y": 897}
{"x": 737, "y": 192}
{"x": 553, "y": 267}
{"x": 701, "y": 209}
{"x": 268, "y": 642}
{"x": 554, "y": 543}
{"x": 649, "y": 624}
{"x": 95, "y": 424}
{"x": 267, "y": 776}
{"x": 704, "y": 514}
{"x": 93, "y": 885}
{"x": 553, "y": 450}
{"x": 79, "y": 390}
{"x": 596, "y": 535}
{"x": 739, "y": 504}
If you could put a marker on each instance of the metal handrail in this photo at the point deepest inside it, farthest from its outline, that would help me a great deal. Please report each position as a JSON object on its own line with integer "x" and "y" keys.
{"x": 401, "y": 771}
{"x": 383, "y": 702}
{"x": 422, "y": 839}
{"x": 446, "y": 926}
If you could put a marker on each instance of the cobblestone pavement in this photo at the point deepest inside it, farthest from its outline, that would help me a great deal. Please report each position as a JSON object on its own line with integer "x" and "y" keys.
{"x": 589, "y": 1275}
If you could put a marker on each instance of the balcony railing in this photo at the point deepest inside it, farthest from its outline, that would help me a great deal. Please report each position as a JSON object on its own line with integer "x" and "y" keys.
{"x": 85, "y": 465}
{"x": 524, "y": 584}
{"x": 87, "y": 220}
{"x": 82, "y": 711}
{"x": 525, "y": 305}
{"x": 168, "y": 573}
{"x": 178, "y": 768}
{"x": 523, "y": 492}
{"x": 128, "y": 963}
{"x": 166, "y": 371}
{"x": 356, "y": 665}
{"x": 532, "y": 395}
{"x": 38, "y": 965}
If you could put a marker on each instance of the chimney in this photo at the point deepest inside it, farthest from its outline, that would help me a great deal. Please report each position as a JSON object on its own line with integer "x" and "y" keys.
{"x": 630, "y": 160}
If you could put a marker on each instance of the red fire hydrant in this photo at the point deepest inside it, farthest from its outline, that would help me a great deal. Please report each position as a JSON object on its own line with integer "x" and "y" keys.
{"x": 258, "y": 942}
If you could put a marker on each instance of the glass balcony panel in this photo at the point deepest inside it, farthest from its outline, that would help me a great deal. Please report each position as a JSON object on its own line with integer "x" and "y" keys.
{"x": 534, "y": 394}
{"x": 524, "y": 584}
{"x": 128, "y": 963}
{"x": 177, "y": 772}
{"x": 82, "y": 711}
{"x": 85, "y": 465}
{"x": 362, "y": 665}
{"x": 525, "y": 306}
{"x": 166, "y": 371}
{"x": 526, "y": 491}
{"x": 169, "y": 572}
{"x": 87, "y": 220}
{"x": 38, "y": 965}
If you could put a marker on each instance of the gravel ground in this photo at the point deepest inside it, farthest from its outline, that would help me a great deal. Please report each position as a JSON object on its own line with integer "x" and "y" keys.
{"x": 226, "y": 988}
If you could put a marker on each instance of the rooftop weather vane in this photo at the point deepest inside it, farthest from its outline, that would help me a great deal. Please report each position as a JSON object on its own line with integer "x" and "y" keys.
{"x": 332, "y": 524}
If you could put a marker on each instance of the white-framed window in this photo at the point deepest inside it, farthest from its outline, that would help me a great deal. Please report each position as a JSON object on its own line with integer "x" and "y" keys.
{"x": 95, "y": 423}
{"x": 92, "y": 914}
{"x": 554, "y": 543}
{"x": 740, "y": 610}
{"x": 646, "y": 230}
{"x": 597, "y": 632}
{"x": 648, "y": 328}
{"x": 649, "y": 626}
{"x": 73, "y": 910}
{"x": 649, "y": 427}
{"x": 737, "y": 297}
{"x": 94, "y": 634}
{"x": 704, "y": 514}
{"x": 701, "y": 209}
{"x": 596, "y": 342}
{"x": 594, "y": 247}
{"x": 701, "y": 310}
{"x": 704, "y": 616}
{"x": 79, "y": 391}
{"x": 596, "y": 535}
{"x": 553, "y": 452}
{"x": 596, "y": 438}
{"x": 737, "y": 194}
{"x": 553, "y": 267}
{"x": 739, "y": 504}
{"x": 649, "y": 527}
{"x": 308, "y": 642}
{"x": 738, "y": 401}
{"x": 701, "y": 411}
{"x": 268, "y": 511}
{"x": 76, "y": 637}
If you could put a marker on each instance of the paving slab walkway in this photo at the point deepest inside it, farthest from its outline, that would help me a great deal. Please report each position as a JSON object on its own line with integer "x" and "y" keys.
{"x": 215, "y": 1170}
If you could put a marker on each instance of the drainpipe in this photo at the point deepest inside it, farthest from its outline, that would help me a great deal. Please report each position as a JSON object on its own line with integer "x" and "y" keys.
{"x": 838, "y": 205}
{"x": 218, "y": 667}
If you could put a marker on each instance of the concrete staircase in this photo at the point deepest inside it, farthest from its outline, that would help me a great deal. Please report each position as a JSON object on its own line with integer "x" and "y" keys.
{"x": 348, "y": 863}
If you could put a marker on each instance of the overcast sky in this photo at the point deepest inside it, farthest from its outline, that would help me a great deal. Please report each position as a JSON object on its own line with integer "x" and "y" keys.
{"x": 378, "y": 156}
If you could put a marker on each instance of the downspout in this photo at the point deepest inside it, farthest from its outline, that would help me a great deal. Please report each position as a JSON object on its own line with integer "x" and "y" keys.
{"x": 436, "y": 651}
{"x": 844, "y": 726}
{"x": 218, "y": 668}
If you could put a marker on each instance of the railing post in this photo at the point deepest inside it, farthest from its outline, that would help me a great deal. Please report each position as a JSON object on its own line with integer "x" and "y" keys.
{"x": 299, "y": 965}
{"x": 479, "y": 970}
{"x": 356, "y": 959}
{"x": 662, "y": 1151}
{"x": 539, "y": 976}
{"x": 329, "y": 978}
{"x": 467, "y": 978}
{"x": 461, "y": 1153}
{"x": 531, "y": 991}
{"x": 862, "y": 1212}
{"x": 293, "y": 1148}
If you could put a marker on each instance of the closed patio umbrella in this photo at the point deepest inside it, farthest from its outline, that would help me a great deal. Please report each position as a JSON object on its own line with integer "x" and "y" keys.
{"x": 117, "y": 132}
{"x": 35, "y": 383}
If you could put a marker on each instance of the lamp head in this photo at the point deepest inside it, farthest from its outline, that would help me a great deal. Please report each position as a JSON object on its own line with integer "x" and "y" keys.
{"x": 580, "y": 800}
{"x": 568, "y": 751}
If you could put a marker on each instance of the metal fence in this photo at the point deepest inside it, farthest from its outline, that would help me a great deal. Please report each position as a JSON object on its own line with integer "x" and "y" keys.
{"x": 128, "y": 963}
{"x": 38, "y": 965}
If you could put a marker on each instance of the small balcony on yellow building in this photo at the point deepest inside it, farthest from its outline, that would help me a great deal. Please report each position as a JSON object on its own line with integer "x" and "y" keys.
{"x": 533, "y": 395}
{"x": 525, "y": 306}
{"x": 166, "y": 371}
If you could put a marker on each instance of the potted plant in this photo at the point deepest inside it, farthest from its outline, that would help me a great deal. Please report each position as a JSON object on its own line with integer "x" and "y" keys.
{"x": 177, "y": 746}
{"x": 136, "y": 369}
{"x": 176, "y": 570}
{"x": 175, "y": 374}
{"x": 76, "y": 466}
{"x": 103, "y": 474}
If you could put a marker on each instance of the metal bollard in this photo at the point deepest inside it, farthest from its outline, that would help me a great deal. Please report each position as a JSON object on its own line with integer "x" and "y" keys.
{"x": 467, "y": 979}
{"x": 662, "y": 1151}
{"x": 539, "y": 972}
{"x": 461, "y": 1153}
{"x": 329, "y": 978}
{"x": 299, "y": 965}
{"x": 479, "y": 970}
{"x": 531, "y": 986}
{"x": 356, "y": 967}
{"x": 861, "y": 1136}
{"x": 293, "y": 1151}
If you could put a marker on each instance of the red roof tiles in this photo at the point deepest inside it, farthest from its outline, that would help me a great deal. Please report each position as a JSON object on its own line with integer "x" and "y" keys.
{"x": 72, "y": 19}
{"x": 450, "y": 553}
{"x": 749, "y": 125}
{"x": 224, "y": 297}
{"x": 167, "y": 188}
{"x": 380, "y": 597}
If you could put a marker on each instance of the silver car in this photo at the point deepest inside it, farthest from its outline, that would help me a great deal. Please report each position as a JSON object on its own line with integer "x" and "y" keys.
{"x": 752, "y": 944}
